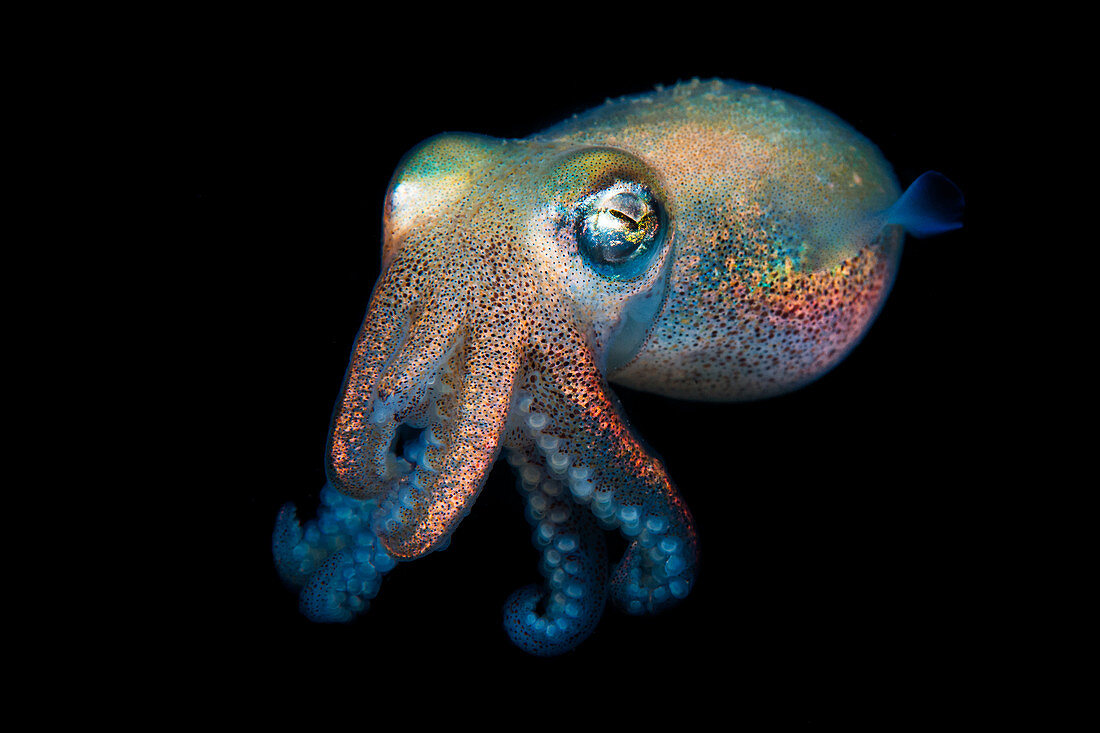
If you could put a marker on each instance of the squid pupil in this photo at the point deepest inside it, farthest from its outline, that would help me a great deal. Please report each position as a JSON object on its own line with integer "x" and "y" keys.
{"x": 618, "y": 226}
{"x": 630, "y": 220}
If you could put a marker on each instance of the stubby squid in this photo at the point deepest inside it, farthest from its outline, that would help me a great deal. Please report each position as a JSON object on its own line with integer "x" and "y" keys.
{"x": 712, "y": 241}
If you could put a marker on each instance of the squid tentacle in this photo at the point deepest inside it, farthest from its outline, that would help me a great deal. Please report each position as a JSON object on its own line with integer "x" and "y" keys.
{"x": 558, "y": 617}
{"x": 335, "y": 560}
{"x": 423, "y": 508}
{"x": 361, "y": 428}
{"x": 607, "y": 469}
{"x": 415, "y": 368}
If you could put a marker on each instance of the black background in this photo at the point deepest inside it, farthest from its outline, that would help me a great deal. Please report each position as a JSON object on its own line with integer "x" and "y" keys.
{"x": 842, "y": 563}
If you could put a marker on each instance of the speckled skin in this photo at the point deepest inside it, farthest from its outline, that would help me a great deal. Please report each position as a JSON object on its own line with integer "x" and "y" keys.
{"x": 489, "y": 330}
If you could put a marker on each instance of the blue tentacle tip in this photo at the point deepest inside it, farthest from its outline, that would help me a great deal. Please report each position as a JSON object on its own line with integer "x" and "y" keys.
{"x": 335, "y": 560}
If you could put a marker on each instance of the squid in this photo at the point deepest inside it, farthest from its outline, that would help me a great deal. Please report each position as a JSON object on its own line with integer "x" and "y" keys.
{"x": 712, "y": 241}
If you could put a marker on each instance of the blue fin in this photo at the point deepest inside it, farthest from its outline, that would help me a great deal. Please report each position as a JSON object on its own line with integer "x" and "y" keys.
{"x": 931, "y": 205}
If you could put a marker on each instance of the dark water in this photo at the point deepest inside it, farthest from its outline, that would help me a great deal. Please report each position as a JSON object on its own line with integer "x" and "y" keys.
{"x": 839, "y": 525}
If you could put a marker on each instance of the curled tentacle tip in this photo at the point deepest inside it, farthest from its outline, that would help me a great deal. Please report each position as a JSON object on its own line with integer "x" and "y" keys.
{"x": 336, "y": 559}
{"x": 548, "y": 632}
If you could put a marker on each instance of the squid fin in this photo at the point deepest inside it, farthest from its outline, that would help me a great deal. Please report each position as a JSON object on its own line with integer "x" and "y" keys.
{"x": 931, "y": 205}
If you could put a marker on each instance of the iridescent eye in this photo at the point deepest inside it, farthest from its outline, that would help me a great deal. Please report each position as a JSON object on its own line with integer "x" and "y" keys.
{"x": 618, "y": 224}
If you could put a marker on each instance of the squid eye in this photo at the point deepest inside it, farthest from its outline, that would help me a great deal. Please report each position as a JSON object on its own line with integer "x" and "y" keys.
{"x": 618, "y": 224}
